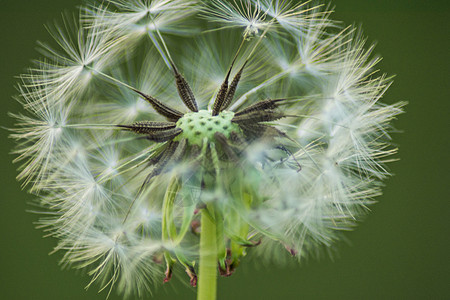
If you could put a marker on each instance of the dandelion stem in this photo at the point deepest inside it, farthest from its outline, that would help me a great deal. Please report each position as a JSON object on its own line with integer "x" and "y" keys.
{"x": 207, "y": 285}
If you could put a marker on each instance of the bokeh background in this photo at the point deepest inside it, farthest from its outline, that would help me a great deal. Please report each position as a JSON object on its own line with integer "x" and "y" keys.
{"x": 401, "y": 251}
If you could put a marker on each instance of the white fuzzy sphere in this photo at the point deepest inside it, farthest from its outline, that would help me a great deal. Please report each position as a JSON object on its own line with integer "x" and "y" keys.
{"x": 314, "y": 179}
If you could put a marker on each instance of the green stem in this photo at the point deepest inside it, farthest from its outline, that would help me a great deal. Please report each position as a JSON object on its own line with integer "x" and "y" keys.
{"x": 207, "y": 284}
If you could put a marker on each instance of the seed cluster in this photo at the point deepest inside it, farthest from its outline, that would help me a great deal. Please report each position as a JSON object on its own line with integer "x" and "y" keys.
{"x": 280, "y": 143}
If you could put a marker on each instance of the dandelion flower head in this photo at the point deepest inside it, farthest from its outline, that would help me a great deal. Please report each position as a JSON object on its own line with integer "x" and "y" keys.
{"x": 149, "y": 124}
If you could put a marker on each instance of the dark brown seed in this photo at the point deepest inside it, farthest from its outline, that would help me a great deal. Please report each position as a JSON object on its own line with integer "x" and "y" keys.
{"x": 269, "y": 104}
{"x": 253, "y": 117}
{"x": 164, "y": 110}
{"x": 148, "y": 127}
{"x": 232, "y": 90}
{"x": 164, "y": 135}
{"x": 185, "y": 91}
{"x": 220, "y": 99}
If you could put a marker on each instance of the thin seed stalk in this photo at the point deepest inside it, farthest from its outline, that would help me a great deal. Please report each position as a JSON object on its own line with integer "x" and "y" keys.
{"x": 167, "y": 222}
{"x": 207, "y": 285}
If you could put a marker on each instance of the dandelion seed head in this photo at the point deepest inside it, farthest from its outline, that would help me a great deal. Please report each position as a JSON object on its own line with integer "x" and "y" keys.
{"x": 143, "y": 117}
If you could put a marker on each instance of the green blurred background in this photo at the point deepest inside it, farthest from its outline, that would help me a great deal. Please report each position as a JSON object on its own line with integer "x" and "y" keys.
{"x": 400, "y": 252}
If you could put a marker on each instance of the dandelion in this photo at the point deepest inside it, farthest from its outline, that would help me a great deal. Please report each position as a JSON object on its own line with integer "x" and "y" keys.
{"x": 173, "y": 135}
